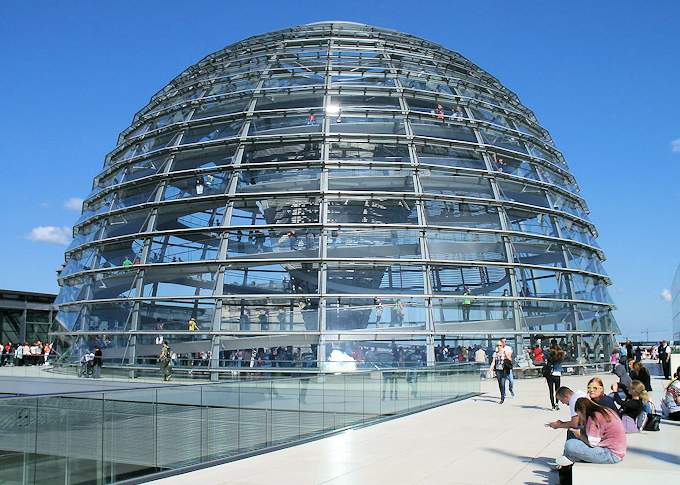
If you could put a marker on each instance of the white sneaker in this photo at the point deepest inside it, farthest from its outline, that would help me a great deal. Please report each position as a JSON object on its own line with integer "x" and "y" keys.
{"x": 563, "y": 461}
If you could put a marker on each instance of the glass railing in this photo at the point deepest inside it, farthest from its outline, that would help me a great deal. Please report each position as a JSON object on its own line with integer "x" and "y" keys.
{"x": 106, "y": 437}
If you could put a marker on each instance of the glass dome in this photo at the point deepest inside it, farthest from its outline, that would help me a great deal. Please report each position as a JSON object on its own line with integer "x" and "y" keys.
{"x": 333, "y": 191}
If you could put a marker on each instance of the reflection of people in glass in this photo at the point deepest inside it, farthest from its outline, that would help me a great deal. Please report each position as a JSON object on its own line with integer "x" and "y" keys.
{"x": 467, "y": 303}
{"x": 377, "y": 302}
{"x": 199, "y": 186}
{"x": 281, "y": 317}
{"x": 264, "y": 320}
{"x": 506, "y": 305}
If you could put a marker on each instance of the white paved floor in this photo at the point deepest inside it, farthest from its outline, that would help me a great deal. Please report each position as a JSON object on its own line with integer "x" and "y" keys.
{"x": 476, "y": 441}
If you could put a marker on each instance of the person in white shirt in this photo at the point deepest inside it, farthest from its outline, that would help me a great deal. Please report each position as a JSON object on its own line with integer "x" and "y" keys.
{"x": 480, "y": 356}
{"x": 568, "y": 397}
{"x": 508, "y": 355}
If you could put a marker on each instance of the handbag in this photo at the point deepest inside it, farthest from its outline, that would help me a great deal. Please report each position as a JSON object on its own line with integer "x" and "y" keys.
{"x": 507, "y": 365}
{"x": 652, "y": 423}
{"x": 547, "y": 369}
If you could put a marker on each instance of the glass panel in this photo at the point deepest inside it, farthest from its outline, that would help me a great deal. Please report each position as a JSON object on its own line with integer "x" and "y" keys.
{"x": 442, "y": 129}
{"x": 349, "y": 243}
{"x": 547, "y": 316}
{"x": 180, "y": 280}
{"x": 232, "y": 86}
{"x": 458, "y": 214}
{"x": 425, "y": 85}
{"x": 127, "y": 223}
{"x": 286, "y": 100}
{"x": 449, "y": 312}
{"x": 440, "y": 108}
{"x": 221, "y": 107}
{"x": 387, "y": 180}
{"x": 174, "y": 315}
{"x": 361, "y": 80}
{"x": 532, "y": 222}
{"x": 285, "y": 125}
{"x": 503, "y": 140}
{"x": 197, "y": 186}
{"x": 542, "y": 283}
{"x": 374, "y": 279}
{"x": 375, "y": 313}
{"x": 143, "y": 168}
{"x": 579, "y": 258}
{"x": 136, "y": 195}
{"x": 281, "y": 152}
{"x": 255, "y": 212}
{"x": 271, "y": 278}
{"x": 372, "y": 211}
{"x": 205, "y": 158}
{"x": 267, "y": 243}
{"x": 124, "y": 253}
{"x": 491, "y": 117}
{"x": 566, "y": 204}
{"x": 81, "y": 261}
{"x": 190, "y": 215}
{"x": 478, "y": 280}
{"x": 537, "y": 252}
{"x": 301, "y": 79}
{"x": 345, "y": 123}
{"x": 465, "y": 246}
{"x": 577, "y": 232}
{"x": 194, "y": 246}
{"x": 523, "y": 193}
{"x": 451, "y": 157}
{"x": 514, "y": 166}
{"x": 279, "y": 180}
{"x": 262, "y": 315}
{"x": 590, "y": 288}
{"x": 555, "y": 178}
{"x": 379, "y": 152}
{"x": 366, "y": 101}
{"x": 447, "y": 183}
{"x": 212, "y": 132}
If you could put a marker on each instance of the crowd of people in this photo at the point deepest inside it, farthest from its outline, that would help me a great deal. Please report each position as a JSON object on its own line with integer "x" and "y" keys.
{"x": 599, "y": 419}
{"x": 25, "y": 354}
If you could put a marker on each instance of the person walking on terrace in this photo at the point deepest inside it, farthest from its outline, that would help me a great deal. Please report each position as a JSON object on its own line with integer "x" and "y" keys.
{"x": 552, "y": 371}
{"x": 500, "y": 369}
{"x": 509, "y": 364}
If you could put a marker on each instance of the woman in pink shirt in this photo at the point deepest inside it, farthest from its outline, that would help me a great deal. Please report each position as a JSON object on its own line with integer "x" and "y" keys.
{"x": 604, "y": 439}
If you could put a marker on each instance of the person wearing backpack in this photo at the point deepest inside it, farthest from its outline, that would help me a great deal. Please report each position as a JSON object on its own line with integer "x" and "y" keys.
{"x": 552, "y": 372}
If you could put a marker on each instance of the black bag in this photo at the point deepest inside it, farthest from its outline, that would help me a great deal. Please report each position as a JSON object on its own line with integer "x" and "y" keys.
{"x": 652, "y": 423}
{"x": 507, "y": 365}
{"x": 547, "y": 370}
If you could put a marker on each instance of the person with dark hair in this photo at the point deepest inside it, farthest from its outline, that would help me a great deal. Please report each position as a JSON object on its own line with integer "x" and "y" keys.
{"x": 602, "y": 441}
{"x": 665, "y": 359}
{"x": 97, "y": 362}
{"x": 568, "y": 397}
{"x": 624, "y": 379}
{"x": 552, "y": 371}
{"x": 500, "y": 370}
{"x": 639, "y": 372}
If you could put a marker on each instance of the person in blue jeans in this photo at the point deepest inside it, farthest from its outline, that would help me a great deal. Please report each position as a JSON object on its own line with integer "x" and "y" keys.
{"x": 602, "y": 441}
{"x": 498, "y": 368}
{"x": 508, "y": 355}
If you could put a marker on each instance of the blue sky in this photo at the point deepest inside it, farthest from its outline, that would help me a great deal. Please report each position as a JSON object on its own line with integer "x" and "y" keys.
{"x": 603, "y": 77}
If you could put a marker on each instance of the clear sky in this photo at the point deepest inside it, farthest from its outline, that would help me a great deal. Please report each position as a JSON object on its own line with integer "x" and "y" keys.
{"x": 602, "y": 77}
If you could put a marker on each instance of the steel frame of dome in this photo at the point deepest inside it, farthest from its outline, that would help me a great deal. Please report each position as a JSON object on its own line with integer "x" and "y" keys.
{"x": 347, "y": 182}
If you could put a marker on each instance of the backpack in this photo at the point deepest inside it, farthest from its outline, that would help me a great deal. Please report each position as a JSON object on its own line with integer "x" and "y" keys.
{"x": 546, "y": 370}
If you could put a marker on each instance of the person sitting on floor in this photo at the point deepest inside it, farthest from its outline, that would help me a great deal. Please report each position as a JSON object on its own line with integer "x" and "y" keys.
{"x": 631, "y": 408}
{"x": 602, "y": 441}
{"x": 639, "y": 372}
{"x": 622, "y": 386}
{"x": 670, "y": 404}
{"x": 597, "y": 395}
